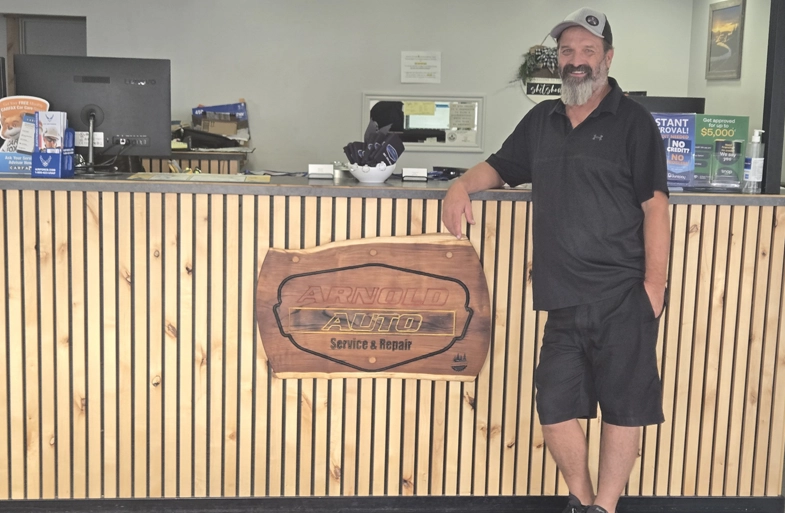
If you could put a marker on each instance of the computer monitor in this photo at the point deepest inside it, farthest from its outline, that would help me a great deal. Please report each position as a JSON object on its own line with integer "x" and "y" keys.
{"x": 3, "y": 84}
{"x": 675, "y": 104}
{"x": 129, "y": 100}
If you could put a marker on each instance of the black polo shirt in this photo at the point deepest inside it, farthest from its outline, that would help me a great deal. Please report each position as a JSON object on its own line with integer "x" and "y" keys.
{"x": 588, "y": 184}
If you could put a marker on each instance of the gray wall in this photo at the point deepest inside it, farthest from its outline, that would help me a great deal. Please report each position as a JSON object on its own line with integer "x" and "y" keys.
{"x": 302, "y": 65}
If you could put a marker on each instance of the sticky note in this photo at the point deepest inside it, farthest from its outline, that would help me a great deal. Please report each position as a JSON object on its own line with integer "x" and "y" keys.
{"x": 419, "y": 108}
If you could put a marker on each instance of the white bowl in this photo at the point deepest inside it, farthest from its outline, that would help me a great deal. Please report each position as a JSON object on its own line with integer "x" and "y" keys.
{"x": 372, "y": 174}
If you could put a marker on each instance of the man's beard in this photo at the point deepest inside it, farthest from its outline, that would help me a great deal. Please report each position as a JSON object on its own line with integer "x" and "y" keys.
{"x": 578, "y": 91}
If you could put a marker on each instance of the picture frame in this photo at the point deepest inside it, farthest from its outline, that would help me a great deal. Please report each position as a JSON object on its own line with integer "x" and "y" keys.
{"x": 725, "y": 38}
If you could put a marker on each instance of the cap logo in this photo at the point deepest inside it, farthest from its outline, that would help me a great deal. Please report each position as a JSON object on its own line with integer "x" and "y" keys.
{"x": 592, "y": 20}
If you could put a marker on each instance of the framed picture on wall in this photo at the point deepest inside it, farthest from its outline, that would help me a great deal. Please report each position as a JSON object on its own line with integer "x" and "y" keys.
{"x": 726, "y": 33}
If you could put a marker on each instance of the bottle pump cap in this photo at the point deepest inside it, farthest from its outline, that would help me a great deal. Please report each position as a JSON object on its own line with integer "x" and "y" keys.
{"x": 756, "y": 135}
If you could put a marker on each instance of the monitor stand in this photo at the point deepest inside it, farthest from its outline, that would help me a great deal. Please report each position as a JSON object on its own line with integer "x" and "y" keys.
{"x": 90, "y": 167}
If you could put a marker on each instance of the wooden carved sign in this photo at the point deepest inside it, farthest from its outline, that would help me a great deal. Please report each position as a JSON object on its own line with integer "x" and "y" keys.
{"x": 389, "y": 307}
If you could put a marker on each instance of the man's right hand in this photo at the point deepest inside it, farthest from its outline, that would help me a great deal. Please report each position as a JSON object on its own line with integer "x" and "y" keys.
{"x": 456, "y": 205}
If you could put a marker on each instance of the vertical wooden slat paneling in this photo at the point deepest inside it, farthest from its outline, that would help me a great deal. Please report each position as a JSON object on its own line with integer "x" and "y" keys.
{"x": 231, "y": 373}
{"x": 46, "y": 258}
{"x": 290, "y": 458}
{"x": 422, "y": 464}
{"x": 336, "y": 463}
{"x": 201, "y": 366}
{"x": 93, "y": 345}
{"x": 15, "y": 322}
{"x": 186, "y": 356}
{"x": 754, "y": 372}
{"x": 321, "y": 457}
{"x": 701, "y": 353}
{"x": 525, "y": 334}
{"x": 711, "y": 285}
{"x": 452, "y": 433}
{"x": 728, "y": 352}
{"x": 669, "y": 369}
{"x": 133, "y": 365}
{"x": 155, "y": 332}
{"x": 215, "y": 346}
{"x": 305, "y": 442}
{"x": 140, "y": 343}
{"x": 349, "y": 429}
{"x": 260, "y": 368}
{"x": 246, "y": 281}
{"x": 515, "y": 285}
{"x": 63, "y": 351}
{"x": 733, "y": 486}
{"x": 541, "y": 458}
{"x": 481, "y": 392}
{"x": 78, "y": 349}
{"x": 776, "y": 444}
{"x": 366, "y": 436}
{"x": 328, "y": 448}
{"x": 5, "y": 375}
{"x": 313, "y": 477}
{"x": 124, "y": 281}
{"x": 31, "y": 345}
{"x": 439, "y": 402}
{"x": 409, "y": 439}
{"x": 362, "y": 432}
{"x": 170, "y": 344}
{"x": 682, "y": 416}
{"x": 276, "y": 431}
{"x": 108, "y": 317}
{"x": 293, "y": 427}
{"x": 769, "y": 357}
{"x": 497, "y": 241}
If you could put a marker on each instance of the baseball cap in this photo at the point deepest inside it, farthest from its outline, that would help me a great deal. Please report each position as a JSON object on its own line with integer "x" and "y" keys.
{"x": 51, "y": 133}
{"x": 593, "y": 21}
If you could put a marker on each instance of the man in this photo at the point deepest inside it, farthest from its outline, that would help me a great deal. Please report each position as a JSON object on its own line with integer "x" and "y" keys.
{"x": 51, "y": 139}
{"x": 601, "y": 233}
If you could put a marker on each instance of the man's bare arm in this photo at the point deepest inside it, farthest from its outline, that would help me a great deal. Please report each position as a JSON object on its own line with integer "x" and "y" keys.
{"x": 456, "y": 201}
{"x": 656, "y": 241}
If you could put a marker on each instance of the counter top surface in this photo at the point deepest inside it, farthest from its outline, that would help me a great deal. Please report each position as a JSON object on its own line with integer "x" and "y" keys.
{"x": 344, "y": 185}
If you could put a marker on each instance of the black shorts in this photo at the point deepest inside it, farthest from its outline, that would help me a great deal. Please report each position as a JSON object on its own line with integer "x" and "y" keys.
{"x": 601, "y": 352}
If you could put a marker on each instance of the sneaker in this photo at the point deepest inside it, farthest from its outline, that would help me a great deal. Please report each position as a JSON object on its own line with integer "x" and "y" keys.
{"x": 574, "y": 505}
{"x": 595, "y": 509}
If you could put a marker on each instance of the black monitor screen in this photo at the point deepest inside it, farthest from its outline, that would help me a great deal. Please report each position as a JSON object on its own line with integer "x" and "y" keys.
{"x": 129, "y": 98}
{"x": 675, "y": 104}
{"x": 3, "y": 85}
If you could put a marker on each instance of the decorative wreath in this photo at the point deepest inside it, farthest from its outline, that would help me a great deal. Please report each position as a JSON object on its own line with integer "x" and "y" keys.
{"x": 540, "y": 62}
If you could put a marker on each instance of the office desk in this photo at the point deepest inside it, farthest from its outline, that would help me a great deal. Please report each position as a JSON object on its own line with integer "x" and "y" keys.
{"x": 132, "y": 366}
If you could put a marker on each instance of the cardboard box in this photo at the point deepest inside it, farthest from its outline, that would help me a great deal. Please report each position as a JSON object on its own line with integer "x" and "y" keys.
{"x": 720, "y": 143}
{"x": 678, "y": 134}
{"x": 234, "y": 111}
{"x": 230, "y": 120}
{"x": 215, "y": 126}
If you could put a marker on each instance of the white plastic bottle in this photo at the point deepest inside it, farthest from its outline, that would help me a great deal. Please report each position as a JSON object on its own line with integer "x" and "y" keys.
{"x": 753, "y": 165}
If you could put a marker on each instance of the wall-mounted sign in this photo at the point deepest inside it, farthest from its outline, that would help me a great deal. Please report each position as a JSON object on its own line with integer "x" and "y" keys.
{"x": 391, "y": 307}
{"x": 540, "y": 89}
{"x": 421, "y": 67}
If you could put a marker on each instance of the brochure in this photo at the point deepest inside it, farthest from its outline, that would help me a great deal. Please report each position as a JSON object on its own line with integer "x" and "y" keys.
{"x": 12, "y": 111}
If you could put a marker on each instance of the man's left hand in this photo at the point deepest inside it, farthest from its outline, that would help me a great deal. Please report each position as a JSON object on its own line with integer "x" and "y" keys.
{"x": 656, "y": 297}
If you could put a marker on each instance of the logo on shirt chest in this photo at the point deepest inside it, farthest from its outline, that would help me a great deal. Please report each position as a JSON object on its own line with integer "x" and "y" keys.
{"x": 597, "y": 137}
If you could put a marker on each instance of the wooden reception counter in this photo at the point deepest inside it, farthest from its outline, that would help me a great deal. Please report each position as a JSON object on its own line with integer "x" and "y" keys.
{"x": 131, "y": 366}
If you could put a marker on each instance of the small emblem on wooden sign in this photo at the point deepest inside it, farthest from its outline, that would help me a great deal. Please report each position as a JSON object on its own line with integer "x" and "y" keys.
{"x": 391, "y": 307}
